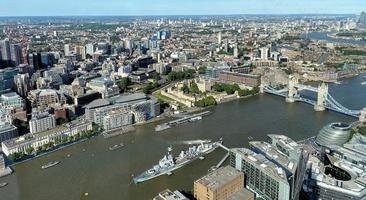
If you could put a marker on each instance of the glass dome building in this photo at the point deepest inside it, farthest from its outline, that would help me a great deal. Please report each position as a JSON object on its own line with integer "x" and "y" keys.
{"x": 334, "y": 134}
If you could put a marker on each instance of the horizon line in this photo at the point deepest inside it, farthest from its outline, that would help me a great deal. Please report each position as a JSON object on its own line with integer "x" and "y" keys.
{"x": 172, "y": 15}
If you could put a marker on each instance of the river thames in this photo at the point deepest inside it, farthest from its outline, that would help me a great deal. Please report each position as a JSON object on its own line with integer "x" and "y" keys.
{"x": 106, "y": 175}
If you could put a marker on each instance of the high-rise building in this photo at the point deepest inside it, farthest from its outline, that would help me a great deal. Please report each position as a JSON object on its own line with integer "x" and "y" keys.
{"x": 47, "y": 59}
{"x": 264, "y": 53}
{"x": 236, "y": 51}
{"x": 221, "y": 184}
{"x": 22, "y": 84}
{"x": 35, "y": 61}
{"x": 81, "y": 51}
{"x": 16, "y": 54}
{"x": 41, "y": 122}
{"x": 89, "y": 49}
{"x": 5, "y": 50}
{"x": 362, "y": 19}
{"x": 7, "y": 78}
{"x": 219, "y": 37}
{"x": 67, "y": 49}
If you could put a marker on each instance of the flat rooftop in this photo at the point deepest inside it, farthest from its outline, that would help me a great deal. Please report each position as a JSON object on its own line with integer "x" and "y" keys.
{"x": 273, "y": 153}
{"x": 242, "y": 194}
{"x": 261, "y": 162}
{"x": 169, "y": 195}
{"x": 219, "y": 177}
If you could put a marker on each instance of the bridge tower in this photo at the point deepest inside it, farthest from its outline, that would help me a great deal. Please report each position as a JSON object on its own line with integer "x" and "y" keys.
{"x": 292, "y": 90}
{"x": 322, "y": 97}
{"x": 261, "y": 86}
{"x": 363, "y": 116}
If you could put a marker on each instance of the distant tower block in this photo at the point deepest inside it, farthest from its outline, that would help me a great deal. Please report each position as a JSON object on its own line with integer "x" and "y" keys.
{"x": 292, "y": 91}
{"x": 322, "y": 97}
{"x": 219, "y": 37}
{"x": 363, "y": 116}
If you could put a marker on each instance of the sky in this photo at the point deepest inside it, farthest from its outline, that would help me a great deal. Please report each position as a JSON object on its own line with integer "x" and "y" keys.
{"x": 177, "y": 7}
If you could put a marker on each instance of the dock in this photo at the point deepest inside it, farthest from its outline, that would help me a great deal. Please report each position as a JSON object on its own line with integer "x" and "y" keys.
{"x": 223, "y": 160}
{"x": 185, "y": 119}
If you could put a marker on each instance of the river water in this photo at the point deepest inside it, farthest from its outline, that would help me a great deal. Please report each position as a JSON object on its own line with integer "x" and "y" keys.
{"x": 324, "y": 36}
{"x": 106, "y": 175}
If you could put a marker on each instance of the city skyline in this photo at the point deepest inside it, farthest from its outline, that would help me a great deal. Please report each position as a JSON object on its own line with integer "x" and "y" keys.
{"x": 189, "y": 7}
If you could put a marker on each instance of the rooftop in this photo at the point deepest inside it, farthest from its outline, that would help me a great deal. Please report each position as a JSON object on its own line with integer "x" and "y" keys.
{"x": 261, "y": 162}
{"x": 6, "y": 127}
{"x": 169, "y": 195}
{"x": 97, "y": 103}
{"x": 219, "y": 177}
{"x": 274, "y": 154}
{"x": 242, "y": 194}
{"x": 129, "y": 98}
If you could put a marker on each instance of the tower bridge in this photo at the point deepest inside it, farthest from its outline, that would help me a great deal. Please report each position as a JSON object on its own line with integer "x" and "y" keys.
{"x": 324, "y": 99}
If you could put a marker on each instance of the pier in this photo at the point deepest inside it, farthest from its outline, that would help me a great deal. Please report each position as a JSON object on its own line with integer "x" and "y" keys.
{"x": 186, "y": 119}
{"x": 223, "y": 160}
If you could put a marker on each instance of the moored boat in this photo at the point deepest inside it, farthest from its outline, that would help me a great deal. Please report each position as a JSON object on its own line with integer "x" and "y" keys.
{"x": 3, "y": 184}
{"x": 169, "y": 163}
{"x": 115, "y": 147}
{"x": 50, "y": 164}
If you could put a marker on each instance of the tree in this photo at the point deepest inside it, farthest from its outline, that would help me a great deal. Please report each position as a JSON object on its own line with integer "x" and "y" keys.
{"x": 194, "y": 88}
{"x": 202, "y": 70}
{"x": 30, "y": 150}
{"x": 185, "y": 88}
{"x": 228, "y": 88}
{"x": 148, "y": 88}
{"x": 207, "y": 101}
{"x": 16, "y": 156}
{"x": 123, "y": 84}
{"x": 156, "y": 77}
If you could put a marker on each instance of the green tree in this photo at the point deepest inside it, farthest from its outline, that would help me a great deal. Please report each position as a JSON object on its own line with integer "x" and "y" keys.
{"x": 362, "y": 130}
{"x": 202, "y": 70}
{"x": 194, "y": 88}
{"x": 185, "y": 88}
{"x": 123, "y": 84}
{"x": 207, "y": 101}
{"x": 30, "y": 150}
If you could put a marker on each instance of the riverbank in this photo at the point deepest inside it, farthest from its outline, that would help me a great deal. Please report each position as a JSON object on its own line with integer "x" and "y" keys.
{"x": 58, "y": 148}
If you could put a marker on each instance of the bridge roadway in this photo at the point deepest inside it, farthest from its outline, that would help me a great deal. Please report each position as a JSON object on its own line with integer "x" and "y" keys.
{"x": 331, "y": 103}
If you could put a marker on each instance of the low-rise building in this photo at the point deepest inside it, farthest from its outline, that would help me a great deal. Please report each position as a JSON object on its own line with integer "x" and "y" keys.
{"x": 41, "y": 122}
{"x": 169, "y": 195}
{"x": 23, "y": 143}
{"x": 221, "y": 184}
{"x": 239, "y": 78}
{"x": 42, "y": 98}
{"x": 7, "y": 131}
{"x": 117, "y": 119}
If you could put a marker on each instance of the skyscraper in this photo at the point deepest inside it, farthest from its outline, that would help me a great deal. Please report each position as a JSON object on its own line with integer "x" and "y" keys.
{"x": 89, "y": 49}
{"x": 81, "y": 51}
{"x": 22, "y": 84}
{"x": 236, "y": 51}
{"x": 362, "y": 19}
{"x": 264, "y": 53}
{"x": 67, "y": 49}
{"x": 16, "y": 54}
{"x": 219, "y": 37}
{"x": 5, "y": 50}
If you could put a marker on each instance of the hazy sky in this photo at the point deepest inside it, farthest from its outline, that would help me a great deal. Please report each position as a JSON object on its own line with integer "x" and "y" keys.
{"x": 177, "y": 7}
